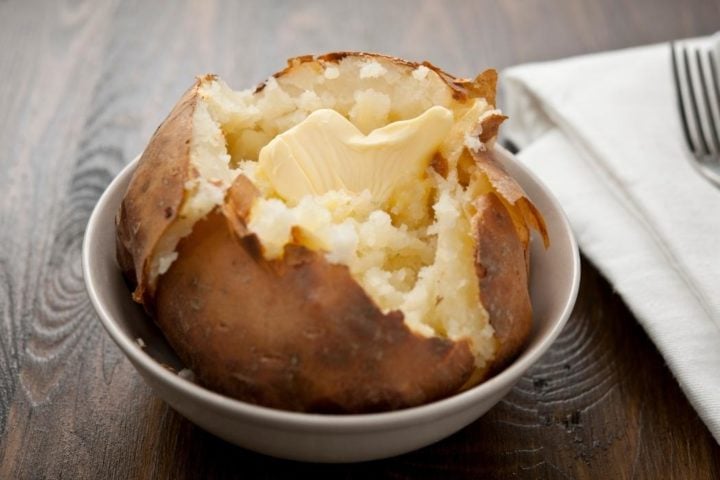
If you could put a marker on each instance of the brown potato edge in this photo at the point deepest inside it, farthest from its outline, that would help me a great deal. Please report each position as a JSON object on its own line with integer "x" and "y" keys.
{"x": 502, "y": 277}
{"x": 155, "y": 193}
{"x": 484, "y": 85}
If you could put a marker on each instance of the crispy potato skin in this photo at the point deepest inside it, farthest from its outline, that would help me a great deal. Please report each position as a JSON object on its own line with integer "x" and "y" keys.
{"x": 524, "y": 214}
{"x": 155, "y": 194}
{"x": 297, "y": 333}
{"x": 502, "y": 278}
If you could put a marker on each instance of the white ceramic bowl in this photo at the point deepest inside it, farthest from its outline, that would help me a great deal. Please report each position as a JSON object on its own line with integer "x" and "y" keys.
{"x": 555, "y": 275}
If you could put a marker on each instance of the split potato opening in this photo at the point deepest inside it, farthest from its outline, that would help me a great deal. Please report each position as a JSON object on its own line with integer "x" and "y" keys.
{"x": 338, "y": 239}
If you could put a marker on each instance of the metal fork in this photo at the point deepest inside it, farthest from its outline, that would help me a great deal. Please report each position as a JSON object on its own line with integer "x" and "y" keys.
{"x": 698, "y": 95}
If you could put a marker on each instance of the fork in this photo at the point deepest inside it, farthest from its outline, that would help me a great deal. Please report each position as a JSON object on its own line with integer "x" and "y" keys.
{"x": 698, "y": 96}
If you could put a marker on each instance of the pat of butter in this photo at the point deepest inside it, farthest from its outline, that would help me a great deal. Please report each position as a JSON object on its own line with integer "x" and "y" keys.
{"x": 326, "y": 152}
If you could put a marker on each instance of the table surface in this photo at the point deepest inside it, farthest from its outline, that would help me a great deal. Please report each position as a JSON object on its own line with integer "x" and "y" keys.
{"x": 86, "y": 85}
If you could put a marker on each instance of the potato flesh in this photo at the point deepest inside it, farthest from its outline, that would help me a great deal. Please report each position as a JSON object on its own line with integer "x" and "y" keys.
{"x": 415, "y": 255}
{"x": 427, "y": 273}
{"x": 205, "y": 189}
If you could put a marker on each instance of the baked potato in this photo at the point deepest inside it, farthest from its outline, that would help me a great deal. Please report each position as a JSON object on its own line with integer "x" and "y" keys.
{"x": 337, "y": 240}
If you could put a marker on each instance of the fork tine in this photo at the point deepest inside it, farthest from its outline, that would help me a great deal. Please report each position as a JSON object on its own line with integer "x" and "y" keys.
{"x": 708, "y": 108}
{"x": 693, "y": 102}
{"x": 688, "y": 89}
{"x": 714, "y": 76}
{"x": 680, "y": 100}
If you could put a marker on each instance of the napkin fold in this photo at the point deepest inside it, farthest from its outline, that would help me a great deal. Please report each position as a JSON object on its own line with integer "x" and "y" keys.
{"x": 604, "y": 133}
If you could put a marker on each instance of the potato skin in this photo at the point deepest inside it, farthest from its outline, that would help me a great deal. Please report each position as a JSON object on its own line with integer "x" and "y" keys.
{"x": 297, "y": 333}
{"x": 155, "y": 193}
{"x": 502, "y": 277}
{"x": 502, "y": 225}
{"x": 522, "y": 211}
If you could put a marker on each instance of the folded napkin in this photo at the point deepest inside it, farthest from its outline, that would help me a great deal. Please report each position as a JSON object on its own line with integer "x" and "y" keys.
{"x": 604, "y": 133}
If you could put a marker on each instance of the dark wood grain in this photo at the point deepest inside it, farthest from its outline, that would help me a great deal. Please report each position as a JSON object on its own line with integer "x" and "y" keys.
{"x": 86, "y": 83}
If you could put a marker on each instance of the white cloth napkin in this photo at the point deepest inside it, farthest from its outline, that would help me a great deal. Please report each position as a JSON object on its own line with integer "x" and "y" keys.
{"x": 604, "y": 133}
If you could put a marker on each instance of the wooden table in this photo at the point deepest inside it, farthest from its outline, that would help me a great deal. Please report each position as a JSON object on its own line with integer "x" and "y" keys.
{"x": 86, "y": 83}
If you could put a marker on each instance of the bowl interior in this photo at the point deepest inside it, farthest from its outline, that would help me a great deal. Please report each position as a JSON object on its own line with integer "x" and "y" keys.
{"x": 554, "y": 282}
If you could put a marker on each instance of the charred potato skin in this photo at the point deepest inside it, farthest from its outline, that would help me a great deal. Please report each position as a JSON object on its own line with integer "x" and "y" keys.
{"x": 299, "y": 333}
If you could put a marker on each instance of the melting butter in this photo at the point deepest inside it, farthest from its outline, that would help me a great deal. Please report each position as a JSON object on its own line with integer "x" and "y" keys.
{"x": 327, "y": 152}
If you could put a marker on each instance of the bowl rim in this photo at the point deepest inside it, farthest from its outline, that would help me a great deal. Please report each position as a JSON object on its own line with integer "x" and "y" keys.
{"x": 329, "y": 422}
